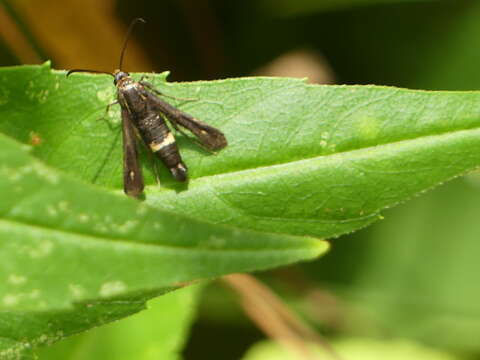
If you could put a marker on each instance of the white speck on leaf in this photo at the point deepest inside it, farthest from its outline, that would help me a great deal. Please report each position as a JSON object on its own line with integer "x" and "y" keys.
{"x": 10, "y": 300}
{"x": 83, "y": 218}
{"x": 43, "y": 249}
{"x": 106, "y": 95}
{"x": 127, "y": 226}
{"x": 42, "y": 339}
{"x": 215, "y": 242}
{"x": 34, "y": 294}
{"x": 43, "y": 172}
{"x": 101, "y": 228}
{"x": 112, "y": 288}
{"x": 15, "y": 279}
{"x": 76, "y": 290}
{"x": 142, "y": 210}
{"x": 43, "y": 95}
{"x": 34, "y": 94}
{"x": 63, "y": 206}
{"x": 4, "y": 96}
{"x": 52, "y": 211}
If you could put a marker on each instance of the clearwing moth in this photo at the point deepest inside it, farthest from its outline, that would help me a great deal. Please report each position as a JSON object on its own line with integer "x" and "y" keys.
{"x": 145, "y": 113}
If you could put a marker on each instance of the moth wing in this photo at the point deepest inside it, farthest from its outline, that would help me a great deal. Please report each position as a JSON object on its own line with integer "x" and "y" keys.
{"x": 210, "y": 137}
{"x": 132, "y": 172}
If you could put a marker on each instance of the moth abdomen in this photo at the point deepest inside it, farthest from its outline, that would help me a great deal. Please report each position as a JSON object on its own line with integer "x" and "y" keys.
{"x": 161, "y": 142}
{"x": 170, "y": 156}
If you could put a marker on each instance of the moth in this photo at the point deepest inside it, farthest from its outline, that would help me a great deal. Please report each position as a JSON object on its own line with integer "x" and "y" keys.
{"x": 145, "y": 115}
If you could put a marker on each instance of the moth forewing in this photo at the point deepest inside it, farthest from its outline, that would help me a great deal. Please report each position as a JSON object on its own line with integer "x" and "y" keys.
{"x": 210, "y": 137}
{"x": 132, "y": 172}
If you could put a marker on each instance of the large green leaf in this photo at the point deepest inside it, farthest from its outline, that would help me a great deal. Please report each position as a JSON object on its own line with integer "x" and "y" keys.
{"x": 159, "y": 332}
{"x": 419, "y": 273}
{"x": 21, "y": 332}
{"x": 352, "y": 349}
{"x": 73, "y": 257}
{"x": 302, "y": 159}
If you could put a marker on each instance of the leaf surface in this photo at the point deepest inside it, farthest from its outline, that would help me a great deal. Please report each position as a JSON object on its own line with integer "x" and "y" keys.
{"x": 302, "y": 159}
{"x": 352, "y": 349}
{"x": 156, "y": 333}
{"x": 73, "y": 257}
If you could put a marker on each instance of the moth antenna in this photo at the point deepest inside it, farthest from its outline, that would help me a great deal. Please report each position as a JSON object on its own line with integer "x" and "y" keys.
{"x": 127, "y": 37}
{"x": 89, "y": 71}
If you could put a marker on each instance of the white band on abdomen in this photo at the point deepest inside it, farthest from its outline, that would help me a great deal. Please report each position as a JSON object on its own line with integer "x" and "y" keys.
{"x": 169, "y": 139}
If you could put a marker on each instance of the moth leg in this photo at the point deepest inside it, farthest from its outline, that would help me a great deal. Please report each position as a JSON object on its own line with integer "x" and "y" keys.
{"x": 155, "y": 170}
{"x": 151, "y": 158}
{"x": 107, "y": 109}
{"x": 150, "y": 87}
{"x": 152, "y": 161}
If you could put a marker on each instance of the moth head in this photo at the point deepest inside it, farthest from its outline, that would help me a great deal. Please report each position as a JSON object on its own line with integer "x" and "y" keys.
{"x": 119, "y": 75}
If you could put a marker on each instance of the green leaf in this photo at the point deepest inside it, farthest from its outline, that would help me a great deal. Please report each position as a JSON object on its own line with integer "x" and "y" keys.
{"x": 422, "y": 282}
{"x": 23, "y": 331}
{"x": 156, "y": 333}
{"x": 353, "y": 349}
{"x": 302, "y": 159}
{"x": 73, "y": 256}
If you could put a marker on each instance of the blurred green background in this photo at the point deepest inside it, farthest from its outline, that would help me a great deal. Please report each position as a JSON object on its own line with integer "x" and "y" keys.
{"x": 413, "y": 275}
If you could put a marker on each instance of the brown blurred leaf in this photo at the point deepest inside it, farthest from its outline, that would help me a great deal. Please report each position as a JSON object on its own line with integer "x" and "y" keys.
{"x": 80, "y": 33}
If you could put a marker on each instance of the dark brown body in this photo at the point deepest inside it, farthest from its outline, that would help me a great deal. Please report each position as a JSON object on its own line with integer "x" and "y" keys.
{"x": 143, "y": 112}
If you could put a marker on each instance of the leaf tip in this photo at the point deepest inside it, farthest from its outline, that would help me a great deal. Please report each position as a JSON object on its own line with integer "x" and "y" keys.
{"x": 318, "y": 246}
{"x": 47, "y": 64}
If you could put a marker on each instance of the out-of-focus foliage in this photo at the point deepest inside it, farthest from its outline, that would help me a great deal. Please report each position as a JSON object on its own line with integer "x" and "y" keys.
{"x": 352, "y": 349}
{"x": 411, "y": 275}
{"x": 416, "y": 272}
{"x": 74, "y": 257}
{"x": 156, "y": 333}
{"x": 306, "y": 7}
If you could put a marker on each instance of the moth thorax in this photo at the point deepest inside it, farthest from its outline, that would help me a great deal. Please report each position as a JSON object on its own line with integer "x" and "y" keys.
{"x": 121, "y": 76}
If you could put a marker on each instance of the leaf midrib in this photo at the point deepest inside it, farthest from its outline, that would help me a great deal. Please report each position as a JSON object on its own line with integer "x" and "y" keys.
{"x": 337, "y": 154}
